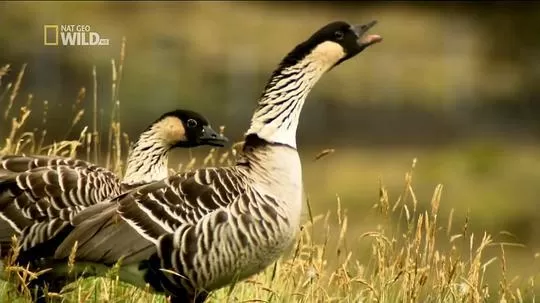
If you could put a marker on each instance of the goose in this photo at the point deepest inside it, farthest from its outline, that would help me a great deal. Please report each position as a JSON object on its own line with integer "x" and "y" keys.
{"x": 195, "y": 232}
{"x": 40, "y": 193}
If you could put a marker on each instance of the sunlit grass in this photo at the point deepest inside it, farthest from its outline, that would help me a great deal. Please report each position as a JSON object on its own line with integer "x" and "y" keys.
{"x": 406, "y": 254}
{"x": 404, "y": 263}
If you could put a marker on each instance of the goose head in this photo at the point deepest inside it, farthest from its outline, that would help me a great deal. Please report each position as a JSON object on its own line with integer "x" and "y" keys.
{"x": 333, "y": 44}
{"x": 185, "y": 128}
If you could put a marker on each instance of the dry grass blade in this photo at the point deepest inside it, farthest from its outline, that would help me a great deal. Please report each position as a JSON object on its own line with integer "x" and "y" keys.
{"x": 95, "y": 134}
{"x": 3, "y": 71}
{"x": 324, "y": 153}
{"x": 15, "y": 90}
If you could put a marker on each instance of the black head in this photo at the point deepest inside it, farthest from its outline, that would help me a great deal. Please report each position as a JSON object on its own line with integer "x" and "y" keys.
{"x": 185, "y": 128}
{"x": 352, "y": 38}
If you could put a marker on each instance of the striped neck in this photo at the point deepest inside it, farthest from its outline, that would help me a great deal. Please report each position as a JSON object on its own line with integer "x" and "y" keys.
{"x": 276, "y": 117}
{"x": 148, "y": 160}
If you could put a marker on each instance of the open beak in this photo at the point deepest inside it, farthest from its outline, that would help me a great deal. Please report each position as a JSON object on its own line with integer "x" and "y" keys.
{"x": 211, "y": 137}
{"x": 364, "y": 39}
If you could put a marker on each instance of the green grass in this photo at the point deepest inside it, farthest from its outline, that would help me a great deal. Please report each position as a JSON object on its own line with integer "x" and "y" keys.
{"x": 398, "y": 244}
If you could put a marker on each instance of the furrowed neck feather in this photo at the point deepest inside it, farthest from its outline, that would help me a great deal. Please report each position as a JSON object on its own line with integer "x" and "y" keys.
{"x": 276, "y": 118}
{"x": 147, "y": 161}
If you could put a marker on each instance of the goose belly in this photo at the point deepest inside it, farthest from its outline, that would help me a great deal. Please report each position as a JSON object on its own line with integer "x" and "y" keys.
{"x": 254, "y": 258}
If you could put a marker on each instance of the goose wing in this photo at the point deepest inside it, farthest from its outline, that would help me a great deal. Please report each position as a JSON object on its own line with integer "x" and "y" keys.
{"x": 18, "y": 164}
{"x": 136, "y": 220}
{"x": 39, "y": 200}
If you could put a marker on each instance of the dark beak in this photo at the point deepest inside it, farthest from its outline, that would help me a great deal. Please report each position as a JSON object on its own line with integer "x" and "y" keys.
{"x": 364, "y": 39}
{"x": 211, "y": 137}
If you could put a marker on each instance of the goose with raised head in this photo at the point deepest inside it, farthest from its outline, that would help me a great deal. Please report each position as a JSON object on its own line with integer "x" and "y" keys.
{"x": 39, "y": 194}
{"x": 196, "y": 232}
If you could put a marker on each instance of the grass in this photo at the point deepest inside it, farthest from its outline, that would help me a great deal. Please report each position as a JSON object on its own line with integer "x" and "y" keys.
{"x": 409, "y": 254}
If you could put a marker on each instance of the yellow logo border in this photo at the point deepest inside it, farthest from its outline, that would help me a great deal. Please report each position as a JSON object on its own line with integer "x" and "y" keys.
{"x": 45, "y": 40}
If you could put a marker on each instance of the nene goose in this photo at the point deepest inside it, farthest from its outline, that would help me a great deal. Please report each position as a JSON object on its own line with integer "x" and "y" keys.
{"x": 39, "y": 194}
{"x": 196, "y": 232}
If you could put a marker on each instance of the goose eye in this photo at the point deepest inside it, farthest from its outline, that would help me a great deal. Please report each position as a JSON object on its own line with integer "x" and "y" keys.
{"x": 191, "y": 123}
{"x": 339, "y": 35}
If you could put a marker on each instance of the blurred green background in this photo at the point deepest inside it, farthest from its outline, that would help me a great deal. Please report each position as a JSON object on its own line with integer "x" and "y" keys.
{"x": 454, "y": 84}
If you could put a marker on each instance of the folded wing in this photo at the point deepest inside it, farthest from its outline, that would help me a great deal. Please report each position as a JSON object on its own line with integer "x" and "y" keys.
{"x": 39, "y": 195}
{"x": 147, "y": 213}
